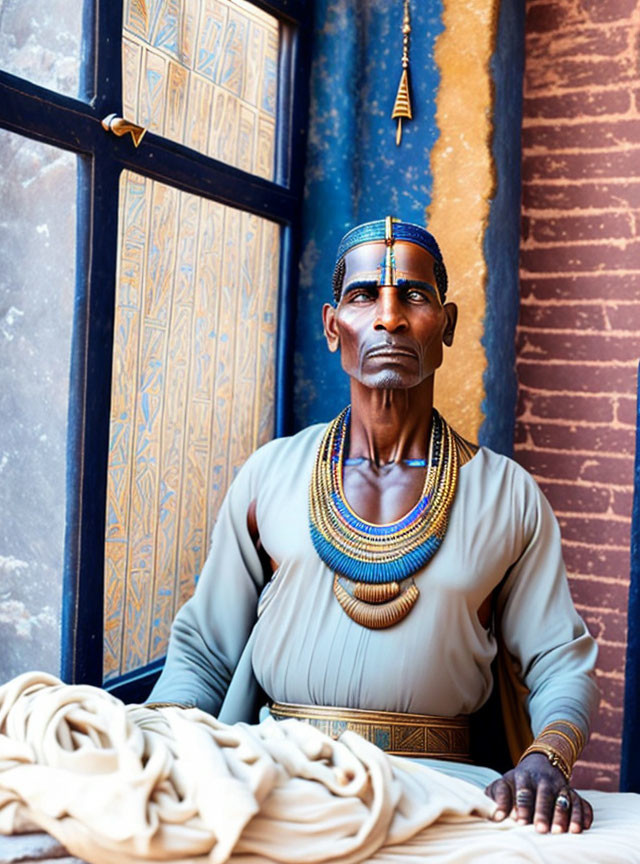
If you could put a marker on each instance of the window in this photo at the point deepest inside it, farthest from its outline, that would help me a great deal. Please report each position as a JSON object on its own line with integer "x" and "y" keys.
{"x": 146, "y": 306}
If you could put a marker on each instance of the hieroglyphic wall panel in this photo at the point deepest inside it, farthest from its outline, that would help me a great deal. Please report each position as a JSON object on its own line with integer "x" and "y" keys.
{"x": 192, "y": 397}
{"x": 204, "y": 73}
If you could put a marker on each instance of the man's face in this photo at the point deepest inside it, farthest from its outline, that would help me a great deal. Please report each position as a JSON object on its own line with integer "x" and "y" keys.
{"x": 389, "y": 324}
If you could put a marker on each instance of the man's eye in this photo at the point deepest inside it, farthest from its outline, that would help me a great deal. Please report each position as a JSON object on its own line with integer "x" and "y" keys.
{"x": 359, "y": 296}
{"x": 417, "y": 296}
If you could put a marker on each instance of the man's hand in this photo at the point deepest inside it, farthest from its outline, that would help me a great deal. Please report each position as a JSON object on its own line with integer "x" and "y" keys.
{"x": 536, "y": 791}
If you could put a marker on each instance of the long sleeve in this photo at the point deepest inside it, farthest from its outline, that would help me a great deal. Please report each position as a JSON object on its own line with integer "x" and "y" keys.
{"x": 211, "y": 630}
{"x": 540, "y": 626}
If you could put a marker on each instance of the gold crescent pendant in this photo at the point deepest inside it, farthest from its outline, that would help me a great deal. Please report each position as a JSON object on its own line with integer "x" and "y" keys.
{"x": 379, "y": 613}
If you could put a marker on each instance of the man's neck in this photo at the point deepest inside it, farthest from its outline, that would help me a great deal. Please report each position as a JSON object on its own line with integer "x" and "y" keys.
{"x": 390, "y": 425}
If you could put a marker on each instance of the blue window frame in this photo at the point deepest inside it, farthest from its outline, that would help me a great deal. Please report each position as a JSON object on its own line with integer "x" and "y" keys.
{"x": 75, "y": 125}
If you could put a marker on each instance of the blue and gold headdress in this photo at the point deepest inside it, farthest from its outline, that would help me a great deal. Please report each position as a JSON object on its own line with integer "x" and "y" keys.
{"x": 389, "y": 230}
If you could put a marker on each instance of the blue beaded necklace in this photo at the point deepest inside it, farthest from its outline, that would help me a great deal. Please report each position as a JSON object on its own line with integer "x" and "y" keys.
{"x": 380, "y": 554}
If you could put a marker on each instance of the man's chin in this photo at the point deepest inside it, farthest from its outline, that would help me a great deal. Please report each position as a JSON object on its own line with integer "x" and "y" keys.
{"x": 389, "y": 380}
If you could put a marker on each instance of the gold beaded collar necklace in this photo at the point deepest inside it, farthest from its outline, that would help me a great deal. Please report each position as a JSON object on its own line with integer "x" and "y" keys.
{"x": 374, "y": 564}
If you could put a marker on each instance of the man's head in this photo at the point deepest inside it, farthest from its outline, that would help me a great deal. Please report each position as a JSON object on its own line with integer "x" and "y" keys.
{"x": 390, "y": 320}
{"x": 393, "y": 230}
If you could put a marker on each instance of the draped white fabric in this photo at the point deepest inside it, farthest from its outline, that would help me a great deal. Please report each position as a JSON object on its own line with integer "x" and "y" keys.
{"x": 132, "y": 784}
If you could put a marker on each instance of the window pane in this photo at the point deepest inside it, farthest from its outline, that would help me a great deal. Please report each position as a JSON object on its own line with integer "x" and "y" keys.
{"x": 192, "y": 396}
{"x": 204, "y": 73}
{"x": 37, "y": 278}
{"x": 41, "y": 42}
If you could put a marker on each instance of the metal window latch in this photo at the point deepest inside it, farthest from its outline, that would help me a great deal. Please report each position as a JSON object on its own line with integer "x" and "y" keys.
{"x": 119, "y": 126}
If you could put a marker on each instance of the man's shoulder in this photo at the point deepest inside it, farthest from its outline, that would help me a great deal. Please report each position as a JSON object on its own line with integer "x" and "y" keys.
{"x": 287, "y": 449}
{"x": 504, "y": 471}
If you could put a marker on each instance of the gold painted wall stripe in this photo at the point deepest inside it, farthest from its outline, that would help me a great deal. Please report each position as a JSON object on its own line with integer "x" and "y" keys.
{"x": 463, "y": 183}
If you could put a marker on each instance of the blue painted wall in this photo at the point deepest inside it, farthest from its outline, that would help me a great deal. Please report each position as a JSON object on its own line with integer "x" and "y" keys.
{"x": 354, "y": 171}
{"x": 630, "y": 762}
{"x": 502, "y": 237}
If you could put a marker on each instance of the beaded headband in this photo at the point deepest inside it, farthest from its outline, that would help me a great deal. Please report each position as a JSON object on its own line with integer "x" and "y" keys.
{"x": 389, "y": 230}
{"x": 377, "y": 230}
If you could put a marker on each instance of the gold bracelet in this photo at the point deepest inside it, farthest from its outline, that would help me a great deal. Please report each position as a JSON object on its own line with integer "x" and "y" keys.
{"x": 580, "y": 738}
{"x": 574, "y": 749}
{"x": 552, "y": 755}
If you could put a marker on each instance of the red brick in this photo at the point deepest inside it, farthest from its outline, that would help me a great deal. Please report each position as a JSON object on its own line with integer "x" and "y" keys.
{"x": 587, "y": 257}
{"x": 571, "y": 228}
{"x": 599, "y": 11}
{"x": 595, "y": 409}
{"x": 602, "y": 748}
{"x": 582, "y": 196}
{"x": 580, "y": 166}
{"x": 622, "y": 503}
{"x": 584, "y": 136}
{"x": 546, "y": 17}
{"x": 541, "y": 344}
{"x": 599, "y": 531}
{"x": 611, "y": 689}
{"x": 583, "y": 286}
{"x": 593, "y": 591}
{"x": 519, "y": 435}
{"x": 567, "y": 466}
{"x": 606, "y": 625}
{"x": 569, "y": 317}
{"x": 611, "y": 658}
{"x": 571, "y": 74}
{"x": 598, "y": 561}
{"x": 586, "y": 776}
{"x": 569, "y": 105}
{"x": 577, "y": 378}
{"x": 596, "y": 439}
{"x": 617, "y": 470}
{"x": 624, "y": 317}
{"x": 627, "y": 411}
{"x": 576, "y": 42}
{"x": 572, "y": 498}
{"x": 608, "y": 723}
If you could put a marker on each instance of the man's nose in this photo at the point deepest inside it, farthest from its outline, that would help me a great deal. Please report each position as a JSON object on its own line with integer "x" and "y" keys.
{"x": 390, "y": 314}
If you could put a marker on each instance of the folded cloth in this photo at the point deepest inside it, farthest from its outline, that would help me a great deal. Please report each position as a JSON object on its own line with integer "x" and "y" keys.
{"x": 130, "y": 783}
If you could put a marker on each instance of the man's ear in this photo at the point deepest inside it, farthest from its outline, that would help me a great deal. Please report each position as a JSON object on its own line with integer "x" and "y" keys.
{"x": 451, "y": 311}
{"x": 330, "y": 327}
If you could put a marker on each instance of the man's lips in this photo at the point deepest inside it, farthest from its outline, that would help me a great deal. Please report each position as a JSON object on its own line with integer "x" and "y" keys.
{"x": 390, "y": 351}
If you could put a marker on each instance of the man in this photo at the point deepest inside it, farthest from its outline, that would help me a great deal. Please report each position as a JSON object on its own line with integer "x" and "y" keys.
{"x": 355, "y": 566}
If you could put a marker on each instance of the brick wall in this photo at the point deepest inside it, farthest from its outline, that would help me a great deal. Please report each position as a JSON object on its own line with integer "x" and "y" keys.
{"x": 578, "y": 336}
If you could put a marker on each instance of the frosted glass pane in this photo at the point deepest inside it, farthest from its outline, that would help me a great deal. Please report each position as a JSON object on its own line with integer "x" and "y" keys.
{"x": 204, "y": 73}
{"x": 192, "y": 396}
{"x": 41, "y": 41}
{"x": 37, "y": 277}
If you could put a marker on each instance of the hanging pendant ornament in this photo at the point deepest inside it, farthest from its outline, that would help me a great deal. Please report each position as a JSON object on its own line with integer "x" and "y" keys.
{"x": 402, "y": 105}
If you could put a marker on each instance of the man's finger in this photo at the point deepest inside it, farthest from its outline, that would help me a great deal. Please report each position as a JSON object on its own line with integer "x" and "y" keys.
{"x": 501, "y": 793}
{"x": 545, "y": 801}
{"x": 561, "y": 812}
{"x": 575, "y": 826}
{"x": 524, "y": 804}
{"x": 587, "y": 814}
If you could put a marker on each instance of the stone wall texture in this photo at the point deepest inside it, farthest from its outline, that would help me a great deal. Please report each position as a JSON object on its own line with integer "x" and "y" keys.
{"x": 577, "y": 342}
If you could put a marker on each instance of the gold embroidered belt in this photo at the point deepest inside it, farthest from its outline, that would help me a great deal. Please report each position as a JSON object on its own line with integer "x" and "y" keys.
{"x": 417, "y": 735}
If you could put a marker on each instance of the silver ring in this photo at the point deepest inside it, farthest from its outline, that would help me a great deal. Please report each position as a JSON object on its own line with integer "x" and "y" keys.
{"x": 563, "y": 801}
{"x": 524, "y": 797}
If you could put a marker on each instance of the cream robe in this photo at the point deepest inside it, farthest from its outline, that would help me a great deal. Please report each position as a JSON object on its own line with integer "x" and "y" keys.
{"x": 292, "y": 637}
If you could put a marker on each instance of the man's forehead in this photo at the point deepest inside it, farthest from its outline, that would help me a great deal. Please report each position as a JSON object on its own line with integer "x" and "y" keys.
{"x": 367, "y": 261}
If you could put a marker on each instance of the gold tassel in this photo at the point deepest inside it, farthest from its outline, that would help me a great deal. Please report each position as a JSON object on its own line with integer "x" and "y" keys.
{"x": 402, "y": 105}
